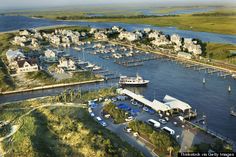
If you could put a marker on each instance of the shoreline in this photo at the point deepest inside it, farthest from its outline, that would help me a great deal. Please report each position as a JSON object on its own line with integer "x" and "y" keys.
{"x": 50, "y": 87}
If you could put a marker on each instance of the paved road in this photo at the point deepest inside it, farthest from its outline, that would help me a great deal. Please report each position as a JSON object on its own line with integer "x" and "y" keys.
{"x": 119, "y": 130}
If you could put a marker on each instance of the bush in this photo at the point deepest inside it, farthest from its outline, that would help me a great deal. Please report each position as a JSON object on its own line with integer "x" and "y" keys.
{"x": 118, "y": 115}
{"x": 159, "y": 139}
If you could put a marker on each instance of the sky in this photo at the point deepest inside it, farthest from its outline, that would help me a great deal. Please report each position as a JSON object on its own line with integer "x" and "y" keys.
{"x": 20, "y": 4}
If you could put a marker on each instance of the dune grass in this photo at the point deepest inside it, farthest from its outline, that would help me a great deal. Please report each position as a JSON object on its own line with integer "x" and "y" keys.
{"x": 65, "y": 131}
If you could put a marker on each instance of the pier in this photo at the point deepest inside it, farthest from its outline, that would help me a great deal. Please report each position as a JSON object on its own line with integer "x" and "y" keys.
{"x": 135, "y": 61}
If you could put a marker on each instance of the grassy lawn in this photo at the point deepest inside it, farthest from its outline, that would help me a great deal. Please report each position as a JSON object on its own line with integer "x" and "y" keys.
{"x": 5, "y": 44}
{"x": 6, "y": 81}
{"x": 65, "y": 131}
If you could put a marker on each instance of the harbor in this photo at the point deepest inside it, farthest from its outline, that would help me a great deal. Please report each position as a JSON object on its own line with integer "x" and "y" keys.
{"x": 209, "y": 89}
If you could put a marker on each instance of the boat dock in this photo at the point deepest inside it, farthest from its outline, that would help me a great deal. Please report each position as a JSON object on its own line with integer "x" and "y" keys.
{"x": 128, "y": 62}
{"x": 169, "y": 103}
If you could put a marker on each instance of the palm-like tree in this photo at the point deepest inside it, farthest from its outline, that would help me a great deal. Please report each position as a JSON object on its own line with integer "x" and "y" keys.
{"x": 72, "y": 95}
{"x": 170, "y": 149}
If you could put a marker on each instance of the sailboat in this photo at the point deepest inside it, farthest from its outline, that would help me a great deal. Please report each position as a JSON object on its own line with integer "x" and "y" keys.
{"x": 232, "y": 112}
{"x": 204, "y": 80}
{"x": 229, "y": 89}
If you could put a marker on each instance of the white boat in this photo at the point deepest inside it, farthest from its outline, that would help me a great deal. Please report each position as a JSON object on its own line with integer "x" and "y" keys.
{"x": 203, "y": 80}
{"x": 90, "y": 65}
{"x": 133, "y": 81}
{"x": 229, "y": 89}
{"x": 96, "y": 68}
{"x": 232, "y": 112}
{"x": 77, "y": 48}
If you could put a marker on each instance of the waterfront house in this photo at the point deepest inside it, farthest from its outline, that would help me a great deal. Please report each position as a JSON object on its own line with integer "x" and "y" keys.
{"x": 117, "y": 29}
{"x": 13, "y": 55}
{"x": 24, "y": 32}
{"x": 147, "y": 30}
{"x": 19, "y": 40}
{"x": 34, "y": 43}
{"x": 55, "y": 40}
{"x": 176, "y": 39}
{"x": 191, "y": 46}
{"x": 93, "y": 30}
{"x": 66, "y": 39}
{"x": 50, "y": 56}
{"x": 128, "y": 36}
{"x": 161, "y": 40}
{"x": 184, "y": 55}
{"x": 154, "y": 34}
{"x": 27, "y": 65}
{"x": 67, "y": 63}
{"x": 100, "y": 36}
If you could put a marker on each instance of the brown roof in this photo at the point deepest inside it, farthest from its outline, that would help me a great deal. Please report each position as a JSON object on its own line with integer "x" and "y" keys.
{"x": 31, "y": 61}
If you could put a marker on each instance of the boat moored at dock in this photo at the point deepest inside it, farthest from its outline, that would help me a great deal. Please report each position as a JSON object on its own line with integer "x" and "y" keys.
{"x": 133, "y": 81}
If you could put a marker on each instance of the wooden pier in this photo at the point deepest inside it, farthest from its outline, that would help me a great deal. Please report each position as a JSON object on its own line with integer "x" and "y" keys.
{"x": 135, "y": 61}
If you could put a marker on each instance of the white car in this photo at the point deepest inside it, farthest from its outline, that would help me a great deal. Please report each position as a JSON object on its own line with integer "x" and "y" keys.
{"x": 92, "y": 114}
{"x": 160, "y": 115}
{"x": 107, "y": 116}
{"x": 127, "y": 129}
{"x": 129, "y": 119}
{"x": 167, "y": 119}
{"x": 103, "y": 123}
{"x": 145, "y": 109}
{"x": 162, "y": 121}
{"x": 135, "y": 134}
{"x": 90, "y": 110}
{"x": 99, "y": 118}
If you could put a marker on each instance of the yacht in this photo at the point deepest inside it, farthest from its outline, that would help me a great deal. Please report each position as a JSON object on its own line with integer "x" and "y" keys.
{"x": 133, "y": 81}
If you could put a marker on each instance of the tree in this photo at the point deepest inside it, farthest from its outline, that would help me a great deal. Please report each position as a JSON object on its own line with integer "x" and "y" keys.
{"x": 170, "y": 149}
{"x": 71, "y": 95}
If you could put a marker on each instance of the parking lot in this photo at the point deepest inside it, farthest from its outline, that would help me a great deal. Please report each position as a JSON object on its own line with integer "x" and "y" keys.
{"x": 184, "y": 134}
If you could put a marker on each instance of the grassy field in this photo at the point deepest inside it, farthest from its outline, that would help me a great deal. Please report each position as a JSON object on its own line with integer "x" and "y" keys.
{"x": 219, "y": 51}
{"x": 61, "y": 131}
{"x": 223, "y": 22}
{"x": 166, "y": 10}
{"x": 216, "y": 24}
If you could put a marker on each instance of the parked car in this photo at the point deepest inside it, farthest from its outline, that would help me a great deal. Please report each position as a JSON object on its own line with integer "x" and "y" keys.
{"x": 135, "y": 134}
{"x": 145, "y": 109}
{"x": 107, "y": 116}
{"x": 113, "y": 99}
{"x": 99, "y": 118}
{"x": 127, "y": 129}
{"x": 162, "y": 121}
{"x": 92, "y": 114}
{"x": 167, "y": 119}
{"x": 90, "y": 110}
{"x": 154, "y": 123}
{"x": 129, "y": 118}
{"x": 168, "y": 130}
{"x": 151, "y": 111}
{"x": 103, "y": 123}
